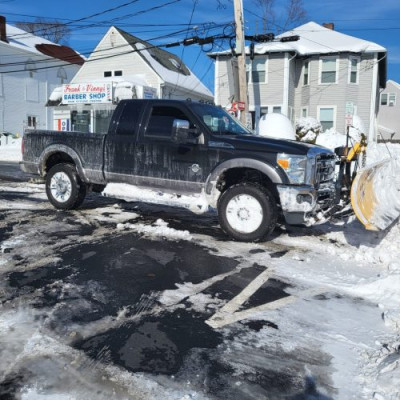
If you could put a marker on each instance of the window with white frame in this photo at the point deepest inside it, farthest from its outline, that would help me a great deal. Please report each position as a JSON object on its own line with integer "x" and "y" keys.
{"x": 327, "y": 116}
{"x": 277, "y": 109}
{"x": 354, "y": 69}
{"x": 256, "y": 70}
{"x": 31, "y": 121}
{"x": 306, "y": 73}
{"x": 388, "y": 99}
{"x": 328, "y": 70}
{"x": 304, "y": 112}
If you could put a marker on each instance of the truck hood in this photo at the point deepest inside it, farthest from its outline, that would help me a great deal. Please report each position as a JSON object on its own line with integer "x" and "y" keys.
{"x": 265, "y": 144}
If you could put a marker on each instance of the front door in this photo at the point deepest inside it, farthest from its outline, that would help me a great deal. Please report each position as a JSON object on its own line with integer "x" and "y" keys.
{"x": 164, "y": 163}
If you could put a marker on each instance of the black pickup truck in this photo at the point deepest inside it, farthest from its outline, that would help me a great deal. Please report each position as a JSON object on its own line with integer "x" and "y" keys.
{"x": 188, "y": 148}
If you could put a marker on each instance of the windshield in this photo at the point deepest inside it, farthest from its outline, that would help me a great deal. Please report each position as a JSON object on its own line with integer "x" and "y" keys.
{"x": 219, "y": 121}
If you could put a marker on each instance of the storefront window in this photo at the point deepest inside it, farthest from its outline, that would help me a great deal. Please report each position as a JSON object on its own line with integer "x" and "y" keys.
{"x": 80, "y": 121}
{"x": 102, "y": 120}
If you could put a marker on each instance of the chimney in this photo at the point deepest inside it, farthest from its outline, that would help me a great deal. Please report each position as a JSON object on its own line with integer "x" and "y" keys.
{"x": 329, "y": 25}
{"x": 3, "y": 33}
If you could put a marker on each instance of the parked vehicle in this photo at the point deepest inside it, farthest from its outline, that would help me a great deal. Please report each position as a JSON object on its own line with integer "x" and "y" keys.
{"x": 189, "y": 148}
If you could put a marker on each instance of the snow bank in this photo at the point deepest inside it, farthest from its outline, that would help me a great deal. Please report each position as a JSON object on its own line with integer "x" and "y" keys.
{"x": 331, "y": 139}
{"x": 10, "y": 151}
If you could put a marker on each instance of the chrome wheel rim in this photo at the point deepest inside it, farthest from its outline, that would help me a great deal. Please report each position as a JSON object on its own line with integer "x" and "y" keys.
{"x": 244, "y": 213}
{"x": 61, "y": 187}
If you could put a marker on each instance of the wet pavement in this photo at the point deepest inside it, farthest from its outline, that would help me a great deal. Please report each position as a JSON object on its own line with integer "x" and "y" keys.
{"x": 101, "y": 292}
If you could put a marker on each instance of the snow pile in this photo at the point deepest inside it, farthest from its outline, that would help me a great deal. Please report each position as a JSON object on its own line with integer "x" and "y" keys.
{"x": 307, "y": 129}
{"x": 159, "y": 229}
{"x": 197, "y": 204}
{"x": 276, "y": 126}
{"x": 12, "y": 150}
{"x": 331, "y": 139}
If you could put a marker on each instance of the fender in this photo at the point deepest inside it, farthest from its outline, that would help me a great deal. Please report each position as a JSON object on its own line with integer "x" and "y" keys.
{"x": 211, "y": 191}
{"x": 60, "y": 148}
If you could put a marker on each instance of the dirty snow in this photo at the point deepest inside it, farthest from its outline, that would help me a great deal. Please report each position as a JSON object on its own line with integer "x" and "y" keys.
{"x": 10, "y": 151}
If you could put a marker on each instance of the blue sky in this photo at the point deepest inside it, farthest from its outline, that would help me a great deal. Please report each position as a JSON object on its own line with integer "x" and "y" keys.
{"x": 377, "y": 21}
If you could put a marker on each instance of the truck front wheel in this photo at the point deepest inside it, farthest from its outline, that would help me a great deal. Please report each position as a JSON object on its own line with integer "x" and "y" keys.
{"x": 64, "y": 188}
{"x": 247, "y": 212}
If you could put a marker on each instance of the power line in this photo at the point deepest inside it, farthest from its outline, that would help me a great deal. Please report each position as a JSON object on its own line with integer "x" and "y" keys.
{"x": 115, "y": 55}
{"x": 95, "y": 52}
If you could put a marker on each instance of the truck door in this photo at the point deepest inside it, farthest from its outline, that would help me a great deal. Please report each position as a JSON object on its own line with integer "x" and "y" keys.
{"x": 162, "y": 161}
{"x": 120, "y": 146}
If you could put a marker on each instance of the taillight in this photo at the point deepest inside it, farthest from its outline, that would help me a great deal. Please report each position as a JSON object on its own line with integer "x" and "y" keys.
{"x": 22, "y": 146}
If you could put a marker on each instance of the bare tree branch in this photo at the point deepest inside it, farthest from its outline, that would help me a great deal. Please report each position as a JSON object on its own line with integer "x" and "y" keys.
{"x": 273, "y": 20}
{"x": 55, "y": 31}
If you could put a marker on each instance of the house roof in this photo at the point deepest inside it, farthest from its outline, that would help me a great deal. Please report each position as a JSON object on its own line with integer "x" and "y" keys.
{"x": 22, "y": 40}
{"x": 315, "y": 39}
{"x": 168, "y": 66}
{"x": 395, "y": 84}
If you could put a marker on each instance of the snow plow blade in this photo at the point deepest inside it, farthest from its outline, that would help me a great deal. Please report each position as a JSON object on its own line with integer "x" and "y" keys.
{"x": 375, "y": 195}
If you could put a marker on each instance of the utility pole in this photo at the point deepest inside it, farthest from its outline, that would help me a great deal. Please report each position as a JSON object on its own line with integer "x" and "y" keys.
{"x": 241, "y": 57}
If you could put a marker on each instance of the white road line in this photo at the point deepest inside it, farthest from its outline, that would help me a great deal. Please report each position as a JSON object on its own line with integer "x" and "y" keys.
{"x": 221, "y": 319}
{"x": 247, "y": 292}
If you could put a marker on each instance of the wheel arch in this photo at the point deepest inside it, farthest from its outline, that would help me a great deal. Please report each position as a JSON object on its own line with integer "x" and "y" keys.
{"x": 239, "y": 170}
{"x": 58, "y": 154}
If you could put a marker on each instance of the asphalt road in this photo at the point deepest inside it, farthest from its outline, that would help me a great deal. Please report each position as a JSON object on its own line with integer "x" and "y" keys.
{"x": 92, "y": 302}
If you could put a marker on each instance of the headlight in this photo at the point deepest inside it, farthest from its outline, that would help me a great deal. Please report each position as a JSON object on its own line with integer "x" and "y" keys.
{"x": 294, "y": 166}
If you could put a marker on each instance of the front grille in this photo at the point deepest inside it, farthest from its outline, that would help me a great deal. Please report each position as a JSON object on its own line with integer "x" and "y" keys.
{"x": 325, "y": 169}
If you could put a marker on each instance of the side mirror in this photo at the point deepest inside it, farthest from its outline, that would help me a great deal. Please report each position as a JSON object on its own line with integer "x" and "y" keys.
{"x": 181, "y": 133}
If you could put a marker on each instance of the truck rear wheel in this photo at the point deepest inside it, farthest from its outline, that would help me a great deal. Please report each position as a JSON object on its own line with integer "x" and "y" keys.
{"x": 64, "y": 189}
{"x": 247, "y": 212}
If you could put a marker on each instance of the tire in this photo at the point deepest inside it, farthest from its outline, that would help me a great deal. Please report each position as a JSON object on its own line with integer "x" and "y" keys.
{"x": 247, "y": 212}
{"x": 64, "y": 189}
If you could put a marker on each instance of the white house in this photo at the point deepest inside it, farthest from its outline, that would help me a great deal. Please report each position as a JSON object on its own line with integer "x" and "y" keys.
{"x": 30, "y": 68}
{"x": 121, "y": 66}
{"x": 389, "y": 113}
{"x": 325, "y": 74}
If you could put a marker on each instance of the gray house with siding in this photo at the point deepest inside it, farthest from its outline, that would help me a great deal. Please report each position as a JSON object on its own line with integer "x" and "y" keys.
{"x": 389, "y": 113}
{"x": 325, "y": 74}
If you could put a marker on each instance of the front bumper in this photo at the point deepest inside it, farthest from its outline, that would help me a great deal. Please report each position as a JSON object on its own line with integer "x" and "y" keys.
{"x": 302, "y": 204}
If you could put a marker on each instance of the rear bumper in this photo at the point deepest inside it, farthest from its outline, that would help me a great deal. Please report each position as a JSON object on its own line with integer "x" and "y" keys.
{"x": 301, "y": 204}
{"x": 29, "y": 168}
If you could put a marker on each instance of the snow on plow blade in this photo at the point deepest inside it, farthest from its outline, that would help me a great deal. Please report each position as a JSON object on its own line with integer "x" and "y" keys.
{"x": 375, "y": 194}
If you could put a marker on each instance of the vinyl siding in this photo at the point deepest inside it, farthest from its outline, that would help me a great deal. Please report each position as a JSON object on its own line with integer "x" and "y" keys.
{"x": 224, "y": 81}
{"x": 119, "y": 57}
{"x": 14, "y": 105}
{"x": 337, "y": 94}
{"x": 270, "y": 93}
{"x": 388, "y": 116}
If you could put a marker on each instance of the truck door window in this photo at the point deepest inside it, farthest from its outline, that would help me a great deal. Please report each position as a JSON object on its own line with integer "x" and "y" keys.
{"x": 161, "y": 120}
{"x": 128, "y": 121}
